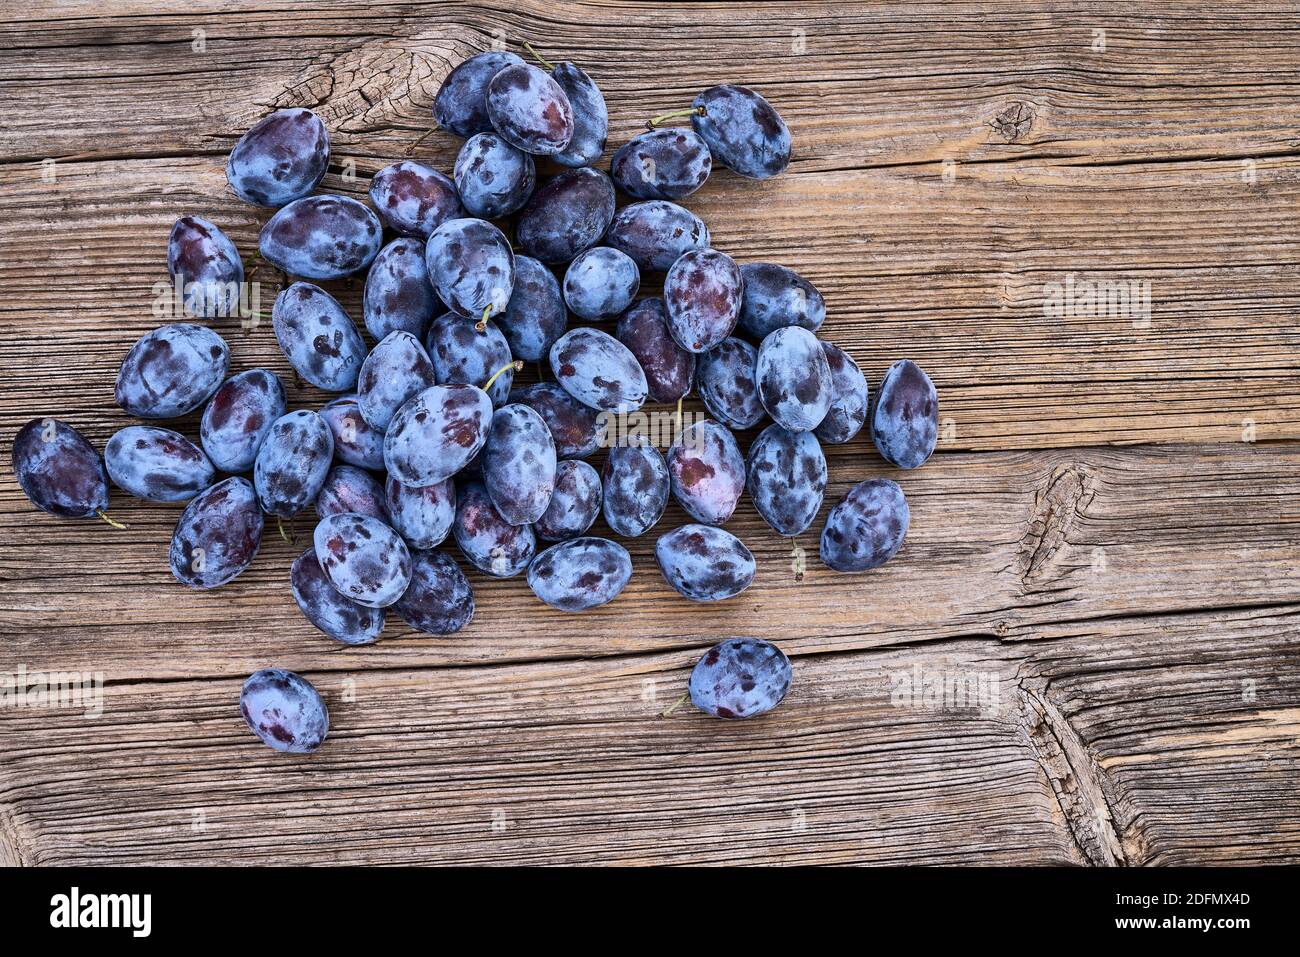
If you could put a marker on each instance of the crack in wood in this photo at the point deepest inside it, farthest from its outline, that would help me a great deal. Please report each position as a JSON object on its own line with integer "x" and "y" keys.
{"x": 1057, "y": 508}
{"x": 11, "y": 844}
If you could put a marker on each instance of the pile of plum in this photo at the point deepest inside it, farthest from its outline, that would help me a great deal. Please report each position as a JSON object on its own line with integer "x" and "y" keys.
{"x": 430, "y": 438}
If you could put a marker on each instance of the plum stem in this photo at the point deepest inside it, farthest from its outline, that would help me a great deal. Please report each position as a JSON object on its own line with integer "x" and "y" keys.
{"x": 104, "y": 515}
{"x": 279, "y": 523}
{"x": 516, "y": 365}
{"x": 676, "y": 705}
{"x": 797, "y": 559}
{"x": 481, "y": 325}
{"x": 679, "y": 414}
{"x": 538, "y": 57}
{"x": 693, "y": 111}
{"x": 423, "y": 136}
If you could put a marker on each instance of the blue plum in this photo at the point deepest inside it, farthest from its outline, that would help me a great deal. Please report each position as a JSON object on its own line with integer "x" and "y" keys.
{"x": 574, "y": 426}
{"x": 217, "y": 536}
{"x": 786, "y": 478}
{"x": 436, "y": 434}
{"x": 317, "y": 337}
{"x": 740, "y": 678}
{"x": 566, "y": 215}
{"x": 363, "y": 558}
{"x": 355, "y": 442}
{"x": 321, "y": 603}
{"x": 575, "y": 503}
{"x": 656, "y": 233}
{"x": 471, "y": 266}
{"x": 292, "y": 463}
{"x": 461, "y": 102}
{"x": 422, "y": 516}
{"x": 285, "y": 711}
{"x": 396, "y": 369}
{"x": 850, "y": 398}
{"x": 702, "y": 294}
{"x": 601, "y": 283}
{"x": 905, "y": 417}
{"x": 350, "y": 489}
{"x": 581, "y": 573}
{"x": 171, "y": 371}
{"x": 414, "y": 199}
{"x": 590, "y": 116}
{"x": 669, "y": 369}
{"x": 488, "y": 541}
{"x": 439, "y": 600}
{"x": 470, "y": 353}
{"x": 59, "y": 470}
{"x": 866, "y": 527}
{"x": 208, "y": 266}
{"x": 536, "y": 316}
{"x": 494, "y": 178}
{"x": 745, "y": 133}
{"x": 776, "y": 296}
{"x": 321, "y": 237}
{"x": 518, "y": 464}
{"x": 530, "y": 110}
{"x": 662, "y": 164}
{"x": 158, "y": 465}
{"x": 707, "y": 472}
{"x": 238, "y": 417}
{"x": 399, "y": 294}
{"x": 704, "y": 563}
{"x": 728, "y": 384}
{"x": 282, "y": 158}
{"x": 636, "y": 486}
{"x": 794, "y": 378}
{"x": 598, "y": 371}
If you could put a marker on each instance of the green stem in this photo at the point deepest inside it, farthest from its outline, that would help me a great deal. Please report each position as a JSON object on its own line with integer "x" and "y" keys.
{"x": 516, "y": 365}
{"x": 102, "y": 514}
{"x": 677, "y": 705}
{"x": 693, "y": 111}
{"x": 537, "y": 56}
{"x": 481, "y": 325}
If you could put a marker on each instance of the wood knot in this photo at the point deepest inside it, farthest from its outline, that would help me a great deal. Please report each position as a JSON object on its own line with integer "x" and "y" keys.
{"x": 1058, "y": 507}
{"x": 1013, "y": 122}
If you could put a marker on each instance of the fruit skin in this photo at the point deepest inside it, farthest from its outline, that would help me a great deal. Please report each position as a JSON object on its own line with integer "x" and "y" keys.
{"x": 396, "y": 369}
{"x": 905, "y": 417}
{"x": 702, "y": 294}
{"x": 656, "y": 233}
{"x": 850, "y": 398}
{"x": 488, "y": 541}
{"x": 519, "y": 464}
{"x": 439, "y": 600}
{"x": 776, "y": 296}
{"x": 363, "y": 558}
{"x": 282, "y": 158}
{"x": 208, "y": 266}
{"x": 707, "y": 472}
{"x": 530, "y": 110}
{"x": 636, "y": 484}
{"x": 794, "y": 379}
{"x": 217, "y": 536}
{"x": 728, "y": 384}
{"x": 460, "y": 353}
{"x": 575, "y": 503}
{"x": 318, "y": 337}
{"x": 598, "y": 371}
{"x": 601, "y": 283}
{"x": 662, "y": 164}
{"x": 285, "y": 711}
{"x": 436, "y": 433}
{"x": 494, "y": 178}
{"x": 574, "y": 427}
{"x": 461, "y": 102}
{"x": 744, "y": 132}
{"x": 350, "y": 489}
{"x": 471, "y": 267}
{"x": 341, "y": 618}
{"x": 238, "y": 417}
{"x": 566, "y": 215}
{"x": 669, "y": 369}
{"x": 580, "y": 574}
{"x": 63, "y": 476}
{"x": 866, "y": 527}
{"x": 536, "y": 315}
{"x": 422, "y": 516}
{"x": 704, "y": 563}
{"x": 740, "y": 678}
{"x": 414, "y": 199}
{"x": 158, "y": 465}
{"x": 355, "y": 442}
{"x": 292, "y": 463}
{"x": 171, "y": 371}
{"x": 398, "y": 293}
{"x": 321, "y": 237}
{"x": 590, "y": 116}
{"x": 786, "y": 478}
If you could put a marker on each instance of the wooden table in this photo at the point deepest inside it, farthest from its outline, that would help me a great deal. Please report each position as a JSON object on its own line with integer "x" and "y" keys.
{"x": 1085, "y": 653}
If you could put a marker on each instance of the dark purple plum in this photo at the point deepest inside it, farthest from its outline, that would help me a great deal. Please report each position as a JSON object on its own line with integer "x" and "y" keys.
{"x": 422, "y": 516}
{"x": 462, "y": 353}
{"x": 171, "y": 371}
{"x": 471, "y": 266}
{"x": 217, "y": 536}
{"x": 238, "y": 417}
{"x": 776, "y": 296}
{"x": 350, "y": 489}
{"x": 322, "y": 237}
{"x": 399, "y": 295}
{"x": 866, "y": 527}
{"x": 292, "y": 463}
{"x": 574, "y": 426}
{"x": 740, "y": 678}
{"x": 794, "y": 379}
{"x": 786, "y": 478}
{"x": 488, "y": 541}
{"x": 439, "y": 600}
{"x": 461, "y": 102}
{"x": 494, "y": 179}
{"x": 636, "y": 484}
{"x": 601, "y": 283}
{"x": 58, "y": 470}
{"x": 580, "y": 574}
{"x": 355, "y": 442}
{"x": 282, "y": 158}
{"x": 284, "y": 711}
{"x": 318, "y": 337}
{"x": 363, "y": 558}
{"x": 704, "y": 563}
{"x": 656, "y": 233}
{"x": 208, "y": 267}
{"x": 702, "y": 294}
{"x": 413, "y": 199}
{"x": 728, "y": 384}
{"x": 341, "y": 618}
{"x": 590, "y": 116}
{"x": 575, "y": 503}
{"x": 396, "y": 369}
{"x": 905, "y": 416}
{"x": 849, "y": 398}
{"x": 536, "y": 316}
{"x": 518, "y": 464}
{"x": 707, "y": 472}
{"x": 436, "y": 433}
{"x": 530, "y": 110}
{"x": 669, "y": 369}
{"x": 158, "y": 465}
{"x": 744, "y": 132}
{"x": 566, "y": 215}
{"x": 598, "y": 370}
{"x": 662, "y": 164}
